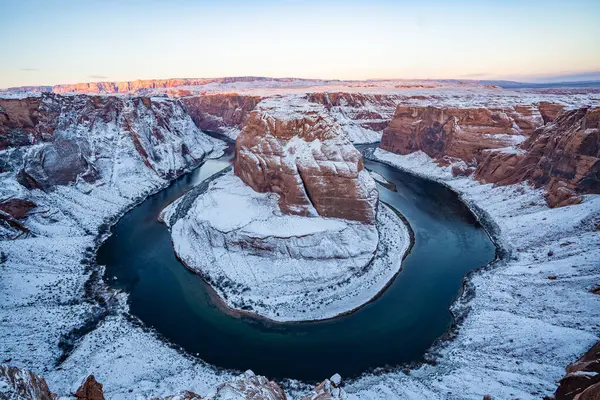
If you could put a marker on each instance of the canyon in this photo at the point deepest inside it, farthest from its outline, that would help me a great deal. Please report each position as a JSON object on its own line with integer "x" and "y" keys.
{"x": 71, "y": 164}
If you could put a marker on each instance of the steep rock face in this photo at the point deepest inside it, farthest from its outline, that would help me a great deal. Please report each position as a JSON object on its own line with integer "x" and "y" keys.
{"x": 549, "y": 111}
{"x": 222, "y": 113}
{"x": 563, "y": 157}
{"x": 76, "y": 136}
{"x": 294, "y": 149}
{"x": 21, "y": 384}
{"x": 26, "y": 121}
{"x": 461, "y": 133}
{"x": 362, "y": 117}
{"x": 582, "y": 381}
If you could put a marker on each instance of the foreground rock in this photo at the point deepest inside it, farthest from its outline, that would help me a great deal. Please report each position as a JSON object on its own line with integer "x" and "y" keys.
{"x": 250, "y": 386}
{"x": 21, "y": 384}
{"x": 582, "y": 381}
{"x": 90, "y": 389}
{"x": 329, "y": 389}
{"x": 291, "y": 148}
{"x": 285, "y": 267}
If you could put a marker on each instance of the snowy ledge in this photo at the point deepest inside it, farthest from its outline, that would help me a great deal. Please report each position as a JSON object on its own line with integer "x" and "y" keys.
{"x": 283, "y": 267}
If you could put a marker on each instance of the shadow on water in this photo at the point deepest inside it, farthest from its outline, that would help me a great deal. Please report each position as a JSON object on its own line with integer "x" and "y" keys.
{"x": 396, "y": 328}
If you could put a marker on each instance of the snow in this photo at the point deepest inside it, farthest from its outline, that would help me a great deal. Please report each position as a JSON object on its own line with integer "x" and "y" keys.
{"x": 284, "y": 267}
{"x": 520, "y": 329}
{"x": 517, "y": 329}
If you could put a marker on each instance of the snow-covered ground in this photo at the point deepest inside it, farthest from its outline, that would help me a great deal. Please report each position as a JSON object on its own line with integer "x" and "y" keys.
{"x": 284, "y": 267}
{"x": 523, "y": 319}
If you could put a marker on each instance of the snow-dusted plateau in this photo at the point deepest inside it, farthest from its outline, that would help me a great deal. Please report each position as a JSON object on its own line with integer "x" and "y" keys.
{"x": 295, "y": 230}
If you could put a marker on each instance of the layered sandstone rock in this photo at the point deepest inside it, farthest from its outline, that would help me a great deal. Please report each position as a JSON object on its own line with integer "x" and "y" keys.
{"x": 582, "y": 381}
{"x": 293, "y": 149}
{"x": 27, "y": 121}
{"x": 549, "y": 111}
{"x": 461, "y": 133}
{"x": 362, "y": 117}
{"x": 563, "y": 157}
{"x": 222, "y": 113}
{"x": 90, "y": 389}
{"x": 22, "y": 384}
{"x": 79, "y": 135}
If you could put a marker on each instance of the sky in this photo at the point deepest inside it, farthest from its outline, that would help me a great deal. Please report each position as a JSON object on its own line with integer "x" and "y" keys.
{"x": 47, "y": 42}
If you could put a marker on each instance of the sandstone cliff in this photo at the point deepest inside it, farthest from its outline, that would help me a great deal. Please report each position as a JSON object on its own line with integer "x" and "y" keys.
{"x": 563, "y": 157}
{"x": 295, "y": 150}
{"x": 362, "y": 117}
{"x": 222, "y": 113}
{"x": 461, "y": 133}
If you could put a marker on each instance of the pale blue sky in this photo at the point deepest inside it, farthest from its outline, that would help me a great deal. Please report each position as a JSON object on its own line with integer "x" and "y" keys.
{"x": 68, "y": 41}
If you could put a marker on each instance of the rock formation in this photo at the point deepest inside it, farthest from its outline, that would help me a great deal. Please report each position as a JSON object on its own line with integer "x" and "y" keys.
{"x": 222, "y": 113}
{"x": 90, "y": 389}
{"x": 461, "y": 133}
{"x": 79, "y": 132}
{"x": 250, "y": 386}
{"x": 549, "y": 111}
{"x": 21, "y": 384}
{"x": 582, "y": 381}
{"x": 362, "y": 117}
{"x": 507, "y": 146}
{"x": 294, "y": 149}
{"x": 329, "y": 389}
{"x": 563, "y": 157}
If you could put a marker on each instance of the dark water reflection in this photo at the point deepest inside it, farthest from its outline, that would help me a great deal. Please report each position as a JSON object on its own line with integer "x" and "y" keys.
{"x": 396, "y": 328}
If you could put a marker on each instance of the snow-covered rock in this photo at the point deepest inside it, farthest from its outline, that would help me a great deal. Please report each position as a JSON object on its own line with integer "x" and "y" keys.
{"x": 284, "y": 267}
{"x": 291, "y": 147}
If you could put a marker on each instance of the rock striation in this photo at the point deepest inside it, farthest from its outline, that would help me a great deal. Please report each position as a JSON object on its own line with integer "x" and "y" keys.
{"x": 461, "y": 133}
{"x": 21, "y": 384}
{"x": 221, "y": 113}
{"x": 76, "y": 133}
{"x": 562, "y": 157}
{"x": 292, "y": 148}
{"x": 507, "y": 146}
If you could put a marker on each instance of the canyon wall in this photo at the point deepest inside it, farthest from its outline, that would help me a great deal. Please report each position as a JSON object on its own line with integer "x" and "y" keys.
{"x": 222, "y": 113}
{"x": 507, "y": 146}
{"x": 362, "y": 117}
{"x": 126, "y": 143}
{"x": 563, "y": 157}
{"x": 294, "y": 149}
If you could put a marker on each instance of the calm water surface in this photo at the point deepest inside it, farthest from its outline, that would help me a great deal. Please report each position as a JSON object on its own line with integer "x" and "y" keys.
{"x": 396, "y": 328}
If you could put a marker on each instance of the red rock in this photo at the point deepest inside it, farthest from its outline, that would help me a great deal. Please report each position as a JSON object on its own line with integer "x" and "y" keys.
{"x": 17, "y": 208}
{"x": 90, "y": 390}
{"x": 17, "y": 383}
{"x": 220, "y": 111}
{"x": 462, "y": 133}
{"x": 549, "y": 110}
{"x": 563, "y": 157}
{"x": 297, "y": 152}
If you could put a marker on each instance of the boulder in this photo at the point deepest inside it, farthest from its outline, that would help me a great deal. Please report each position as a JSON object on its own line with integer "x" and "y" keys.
{"x": 250, "y": 386}
{"x": 21, "y": 384}
{"x": 295, "y": 150}
{"x": 90, "y": 389}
